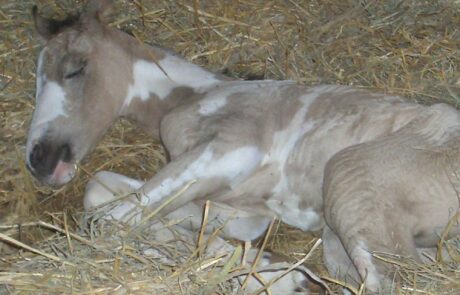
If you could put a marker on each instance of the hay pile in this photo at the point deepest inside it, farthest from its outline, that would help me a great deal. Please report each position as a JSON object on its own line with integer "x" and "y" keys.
{"x": 407, "y": 47}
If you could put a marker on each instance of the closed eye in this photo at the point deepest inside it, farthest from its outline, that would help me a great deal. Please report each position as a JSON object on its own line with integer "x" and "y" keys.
{"x": 74, "y": 73}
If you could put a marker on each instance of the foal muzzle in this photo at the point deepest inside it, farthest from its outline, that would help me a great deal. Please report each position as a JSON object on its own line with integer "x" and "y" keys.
{"x": 52, "y": 163}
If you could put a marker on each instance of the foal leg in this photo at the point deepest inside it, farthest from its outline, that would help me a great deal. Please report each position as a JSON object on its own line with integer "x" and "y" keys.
{"x": 105, "y": 187}
{"x": 362, "y": 194}
{"x": 295, "y": 282}
{"x": 108, "y": 186}
{"x": 337, "y": 261}
{"x": 207, "y": 170}
{"x": 229, "y": 222}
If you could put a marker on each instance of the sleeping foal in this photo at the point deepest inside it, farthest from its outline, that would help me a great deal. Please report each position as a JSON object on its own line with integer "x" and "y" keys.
{"x": 376, "y": 172}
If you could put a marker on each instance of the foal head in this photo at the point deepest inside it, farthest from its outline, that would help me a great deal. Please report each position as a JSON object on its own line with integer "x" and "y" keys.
{"x": 82, "y": 77}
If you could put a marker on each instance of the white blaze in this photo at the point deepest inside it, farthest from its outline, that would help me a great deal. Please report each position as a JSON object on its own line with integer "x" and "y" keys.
{"x": 50, "y": 100}
{"x": 50, "y": 97}
{"x": 41, "y": 78}
{"x": 50, "y": 103}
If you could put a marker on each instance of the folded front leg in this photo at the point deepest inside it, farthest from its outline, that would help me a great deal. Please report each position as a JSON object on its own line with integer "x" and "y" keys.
{"x": 105, "y": 187}
{"x": 210, "y": 167}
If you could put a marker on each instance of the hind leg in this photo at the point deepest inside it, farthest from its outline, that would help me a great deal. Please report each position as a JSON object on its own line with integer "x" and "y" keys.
{"x": 365, "y": 230}
{"x": 362, "y": 208}
{"x": 364, "y": 234}
{"x": 337, "y": 261}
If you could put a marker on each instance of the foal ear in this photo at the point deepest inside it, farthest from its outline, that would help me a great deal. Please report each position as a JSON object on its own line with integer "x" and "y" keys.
{"x": 47, "y": 28}
{"x": 97, "y": 9}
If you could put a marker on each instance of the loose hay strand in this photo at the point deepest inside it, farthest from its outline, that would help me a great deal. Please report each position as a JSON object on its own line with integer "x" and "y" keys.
{"x": 164, "y": 204}
{"x": 33, "y": 250}
{"x": 258, "y": 256}
{"x": 204, "y": 223}
{"x": 296, "y": 265}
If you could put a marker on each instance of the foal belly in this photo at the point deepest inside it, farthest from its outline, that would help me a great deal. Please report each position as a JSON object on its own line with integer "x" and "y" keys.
{"x": 296, "y": 196}
{"x": 268, "y": 193}
{"x": 293, "y": 196}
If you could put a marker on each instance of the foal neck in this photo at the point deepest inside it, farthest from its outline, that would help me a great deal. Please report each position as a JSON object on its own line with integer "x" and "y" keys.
{"x": 160, "y": 81}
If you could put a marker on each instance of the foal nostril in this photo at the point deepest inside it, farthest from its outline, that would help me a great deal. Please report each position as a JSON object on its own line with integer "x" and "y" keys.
{"x": 65, "y": 153}
{"x": 37, "y": 155}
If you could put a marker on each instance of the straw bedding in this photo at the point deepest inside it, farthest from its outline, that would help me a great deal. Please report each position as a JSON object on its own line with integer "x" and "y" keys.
{"x": 411, "y": 48}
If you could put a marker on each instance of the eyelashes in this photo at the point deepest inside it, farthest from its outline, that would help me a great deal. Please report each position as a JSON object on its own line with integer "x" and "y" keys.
{"x": 74, "y": 74}
{"x": 74, "y": 67}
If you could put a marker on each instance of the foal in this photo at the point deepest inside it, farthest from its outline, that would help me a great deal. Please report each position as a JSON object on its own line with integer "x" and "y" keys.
{"x": 379, "y": 169}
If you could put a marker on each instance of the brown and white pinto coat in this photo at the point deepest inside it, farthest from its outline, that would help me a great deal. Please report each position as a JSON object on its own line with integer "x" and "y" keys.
{"x": 382, "y": 171}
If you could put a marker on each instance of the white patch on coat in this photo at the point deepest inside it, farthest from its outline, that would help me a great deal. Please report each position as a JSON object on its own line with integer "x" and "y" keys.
{"x": 150, "y": 79}
{"x": 211, "y": 106}
{"x": 289, "y": 211}
{"x": 217, "y": 98}
{"x": 284, "y": 142}
{"x": 234, "y": 166}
